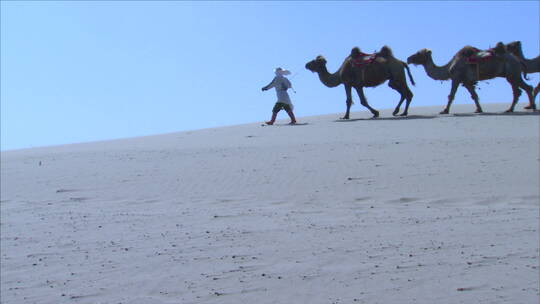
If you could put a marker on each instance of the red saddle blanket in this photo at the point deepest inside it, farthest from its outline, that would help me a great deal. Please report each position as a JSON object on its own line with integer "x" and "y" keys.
{"x": 363, "y": 59}
{"x": 479, "y": 56}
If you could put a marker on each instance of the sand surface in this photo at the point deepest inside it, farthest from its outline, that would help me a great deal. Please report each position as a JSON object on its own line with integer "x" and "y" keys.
{"x": 428, "y": 209}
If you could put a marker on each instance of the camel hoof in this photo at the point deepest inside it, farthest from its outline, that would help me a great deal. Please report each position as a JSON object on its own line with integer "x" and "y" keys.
{"x": 509, "y": 111}
{"x": 444, "y": 112}
{"x": 395, "y": 113}
{"x": 478, "y": 111}
{"x": 344, "y": 117}
{"x": 403, "y": 115}
{"x": 375, "y": 114}
{"x": 529, "y": 107}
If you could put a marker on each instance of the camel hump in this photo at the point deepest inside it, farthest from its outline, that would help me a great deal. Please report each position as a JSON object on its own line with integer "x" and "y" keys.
{"x": 386, "y": 52}
{"x": 468, "y": 51}
{"x": 500, "y": 48}
{"x": 355, "y": 52}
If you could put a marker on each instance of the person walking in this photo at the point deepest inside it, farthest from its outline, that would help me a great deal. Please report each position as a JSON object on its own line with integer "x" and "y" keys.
{"x": 281, "y": 84}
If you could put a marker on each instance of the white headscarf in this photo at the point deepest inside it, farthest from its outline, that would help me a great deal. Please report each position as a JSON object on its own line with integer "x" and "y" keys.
{"x": 281, "y": 72}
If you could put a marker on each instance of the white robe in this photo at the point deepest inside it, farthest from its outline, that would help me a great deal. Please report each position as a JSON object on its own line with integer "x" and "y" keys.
{"x": 279, "y": 82}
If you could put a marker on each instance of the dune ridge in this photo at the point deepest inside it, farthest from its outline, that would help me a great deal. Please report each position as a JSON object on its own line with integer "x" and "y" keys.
{"x": 426, "y": 209}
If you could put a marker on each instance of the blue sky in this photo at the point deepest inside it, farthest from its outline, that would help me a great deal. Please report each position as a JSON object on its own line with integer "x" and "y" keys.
{"x": 91, "y": 70}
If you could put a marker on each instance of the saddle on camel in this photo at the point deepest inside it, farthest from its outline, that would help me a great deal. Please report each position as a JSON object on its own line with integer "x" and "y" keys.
{"x": 369, "y": 63}
{"x": 474, "y": 56}
{"x": 360, "y": 59}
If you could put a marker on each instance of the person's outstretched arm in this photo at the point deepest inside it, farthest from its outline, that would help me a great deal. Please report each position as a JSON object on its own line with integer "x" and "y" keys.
{"x": 270, "y": 85}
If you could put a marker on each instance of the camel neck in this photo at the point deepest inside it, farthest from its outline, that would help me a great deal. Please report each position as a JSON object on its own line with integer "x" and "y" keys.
{"x": 329, "y": 80}
{"x": 437, "y": 72}
{"x": 532, "y": 65}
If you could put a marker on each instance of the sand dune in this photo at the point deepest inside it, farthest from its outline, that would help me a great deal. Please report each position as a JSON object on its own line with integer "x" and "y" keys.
{"x": 425, "y": 209}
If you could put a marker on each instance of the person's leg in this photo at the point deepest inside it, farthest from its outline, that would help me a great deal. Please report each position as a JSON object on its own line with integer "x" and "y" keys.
{"x": 290, "y": 113}
{"x": 273, "y": 119}
{"x": 277, "y": 107}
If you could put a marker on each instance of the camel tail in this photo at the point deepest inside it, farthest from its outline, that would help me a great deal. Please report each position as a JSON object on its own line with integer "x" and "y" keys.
{"x": 409, "y": 72}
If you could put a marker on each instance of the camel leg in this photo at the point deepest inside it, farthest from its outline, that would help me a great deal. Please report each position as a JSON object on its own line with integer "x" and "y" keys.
{"x": 363, "y": 101}
{"x": 409, "y": 96}
{"x": 402, "y": 97}
{"x": 527, "y": 88}
{"x": 535, "y": 92}
{"x": 348, "y": 101}
{"x": 405, "y": 93}
{"x": 396, "y": 110}
{"x": 516, "y": 92}
{"x": 474, "y": 96}
{"x": 453, "y": 91}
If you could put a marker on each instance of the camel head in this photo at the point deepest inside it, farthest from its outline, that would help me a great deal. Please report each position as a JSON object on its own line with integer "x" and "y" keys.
{"x": 420, "y": 57}
{"x": 317, "y": 64}
{"x": 514, "y": 47}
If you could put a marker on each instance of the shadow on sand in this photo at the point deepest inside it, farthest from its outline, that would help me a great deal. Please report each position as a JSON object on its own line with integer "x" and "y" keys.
{"x": 529, "y": 113}
{"x": 410, "y": 117}
{"x": 536, "y": 112}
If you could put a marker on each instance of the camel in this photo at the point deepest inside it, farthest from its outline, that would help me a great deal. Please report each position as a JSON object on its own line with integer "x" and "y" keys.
{"x": 498, "y": 63}
{"x": 531, "y": 65}
{"x": 357, "y": 73}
